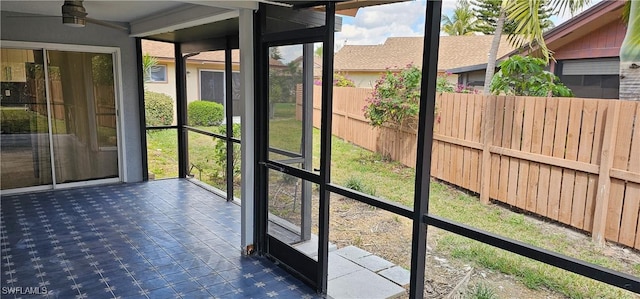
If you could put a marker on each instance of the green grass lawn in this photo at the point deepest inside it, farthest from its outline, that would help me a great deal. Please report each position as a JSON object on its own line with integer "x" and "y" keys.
{"x": 352, "y": 165}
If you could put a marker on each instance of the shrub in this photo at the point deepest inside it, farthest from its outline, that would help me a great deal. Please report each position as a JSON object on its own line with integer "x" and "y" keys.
{"x": 16, "y": 121}
{"x": 158, "y": 108}
{"x": 341, "y": 80}
{"x": 526, "y": 76}
{"x": 220, "y": 152}
{"x": 395, "y": 97}
{"x": 443, "y": 84}
{"x": 205, "y": 113}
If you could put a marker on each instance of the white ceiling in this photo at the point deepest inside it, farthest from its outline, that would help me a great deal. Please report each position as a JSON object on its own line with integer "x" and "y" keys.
{"x": 145, "y": 17}
{"x": 149, "y": 17}
{"x": 118, "y": 11}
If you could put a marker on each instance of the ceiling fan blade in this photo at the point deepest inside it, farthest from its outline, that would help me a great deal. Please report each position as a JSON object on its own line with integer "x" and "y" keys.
{"x": 33, "y": 16}
{"x": 108, "y": 24}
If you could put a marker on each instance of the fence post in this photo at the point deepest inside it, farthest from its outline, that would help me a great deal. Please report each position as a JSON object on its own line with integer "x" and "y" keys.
{"x": 604, "y": 178}
{"x": 488, "y": 114}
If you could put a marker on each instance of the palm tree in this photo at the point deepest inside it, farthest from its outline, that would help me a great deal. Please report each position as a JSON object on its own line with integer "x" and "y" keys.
{"x": 493, "y": 52}
{"x": 630, "y": 55}
{"x": 461, "y": 22}
{"x": 526, "y": 14}
{"x": 148, "y": 63}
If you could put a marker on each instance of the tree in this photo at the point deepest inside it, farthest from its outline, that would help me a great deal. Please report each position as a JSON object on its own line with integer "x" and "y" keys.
{"x": 488, "y": 11}
{"x": 526, "y": 76}
{"x": 493, "y": 52}
{"x": 630, "y": 54}
{"x": 525, "y": 14}
{"x": 461, "y": 22}
{"x": 282, "y": 84}
{"x": 274, "y": 53}
{"x": 148, "y": 63}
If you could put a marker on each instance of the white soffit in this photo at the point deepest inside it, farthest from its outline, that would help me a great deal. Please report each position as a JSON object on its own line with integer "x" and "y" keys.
{"x": 185, "y": 16}
{"x": 229, "y": 4}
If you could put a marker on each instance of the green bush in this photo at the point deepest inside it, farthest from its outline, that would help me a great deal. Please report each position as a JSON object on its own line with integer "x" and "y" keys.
{"x": 526, "y": 76}
{"x": 158, "y": 108}
{"x": 15, "y": 121}
{"x": 341, "y": 80}
{"x": 395, "y": 97}
{"x": 220, "y": 152}
{"x": 204, "y": 113}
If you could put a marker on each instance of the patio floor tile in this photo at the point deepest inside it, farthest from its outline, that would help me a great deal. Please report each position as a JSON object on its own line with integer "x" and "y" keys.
{"x": 158, "y": 239}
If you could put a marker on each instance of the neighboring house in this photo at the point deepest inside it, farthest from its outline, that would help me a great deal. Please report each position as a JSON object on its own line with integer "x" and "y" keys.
{"x": 586, "y": 49}
{"x": 205, "y": 74}
{"x": 317, "y": 66}
{"x": 365, "y": 63}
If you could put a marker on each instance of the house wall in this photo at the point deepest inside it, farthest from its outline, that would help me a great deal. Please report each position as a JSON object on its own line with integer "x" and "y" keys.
{"x": 368, "y": 79}
{"x": 168, "y": 87}
{"x": 363, "y": 79}
{"x": 51, "y": 30}
{"x": 603, "y": 42}
{"x": 474, "y": 78}
{"x": 193, "y": 80}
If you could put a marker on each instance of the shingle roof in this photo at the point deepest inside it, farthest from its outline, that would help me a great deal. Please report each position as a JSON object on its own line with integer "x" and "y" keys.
{"x": 397, "y": 52}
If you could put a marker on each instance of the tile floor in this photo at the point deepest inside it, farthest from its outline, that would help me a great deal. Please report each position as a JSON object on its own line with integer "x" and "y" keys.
{"x": 160, "y": 239}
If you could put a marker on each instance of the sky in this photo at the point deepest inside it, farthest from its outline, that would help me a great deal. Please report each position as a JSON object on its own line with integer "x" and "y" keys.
{"x": 372, "y": 25}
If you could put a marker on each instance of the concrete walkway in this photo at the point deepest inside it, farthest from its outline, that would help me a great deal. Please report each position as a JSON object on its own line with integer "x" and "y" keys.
{"x": 357, "y": 273}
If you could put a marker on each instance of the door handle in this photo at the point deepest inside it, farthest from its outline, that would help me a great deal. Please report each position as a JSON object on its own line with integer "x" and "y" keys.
{"x": 273, "y": 166}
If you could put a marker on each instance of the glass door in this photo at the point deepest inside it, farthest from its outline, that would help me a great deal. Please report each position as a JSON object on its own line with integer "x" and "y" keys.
{"x": 293, "y": 138}
{"x": 58, "y": 118}
{"x": 85, "y": 143}
{"x": 292, "y": 161}
{"x": 24, "y": 127}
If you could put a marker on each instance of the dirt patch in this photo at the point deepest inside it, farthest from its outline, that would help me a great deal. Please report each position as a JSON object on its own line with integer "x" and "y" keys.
{"x": 389, "y": 236}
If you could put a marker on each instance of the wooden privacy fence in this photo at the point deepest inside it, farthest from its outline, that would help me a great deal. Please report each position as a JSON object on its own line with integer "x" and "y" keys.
{"x": 576, "y": 161}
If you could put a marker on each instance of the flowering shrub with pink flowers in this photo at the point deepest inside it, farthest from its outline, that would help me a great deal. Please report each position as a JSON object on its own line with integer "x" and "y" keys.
{"x": 395, "y": 97}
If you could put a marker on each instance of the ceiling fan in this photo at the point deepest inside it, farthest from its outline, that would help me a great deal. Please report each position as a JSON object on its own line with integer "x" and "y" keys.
{"x": 75, "y": 15}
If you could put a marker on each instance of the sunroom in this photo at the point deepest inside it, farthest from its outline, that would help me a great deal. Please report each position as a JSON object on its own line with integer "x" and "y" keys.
{"x": 81, "y": 217}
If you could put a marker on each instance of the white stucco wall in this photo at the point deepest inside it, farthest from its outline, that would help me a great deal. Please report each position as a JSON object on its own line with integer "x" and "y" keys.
{"x": 368, "y": 79}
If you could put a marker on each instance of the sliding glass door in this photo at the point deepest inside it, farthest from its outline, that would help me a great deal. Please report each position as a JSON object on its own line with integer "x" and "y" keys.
{"x": 24, "y": 127}
{"x": 83, "y": 116}
{"x": 58, "y": 119}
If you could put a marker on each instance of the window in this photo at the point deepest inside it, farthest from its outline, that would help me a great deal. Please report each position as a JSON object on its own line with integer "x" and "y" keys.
{"x": 212, "y": 88}
{"x": 591, "y": 78}
{"x": 158, "y": 73}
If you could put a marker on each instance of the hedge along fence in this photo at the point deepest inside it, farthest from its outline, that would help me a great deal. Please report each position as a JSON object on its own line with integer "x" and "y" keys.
{"x": 576, "y": 161}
